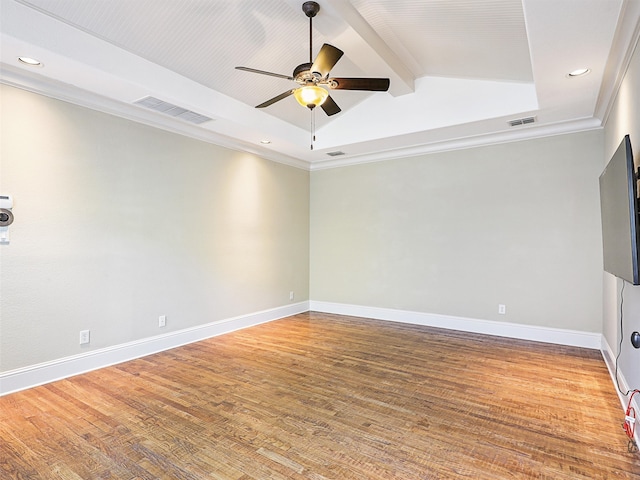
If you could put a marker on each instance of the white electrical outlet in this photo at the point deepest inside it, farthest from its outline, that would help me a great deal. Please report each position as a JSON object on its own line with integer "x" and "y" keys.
{"x": 162, "y": 321}
{"x": 502, "y": 309}
{"x": 291, "y": 295}
{"x": 85, "y": 337}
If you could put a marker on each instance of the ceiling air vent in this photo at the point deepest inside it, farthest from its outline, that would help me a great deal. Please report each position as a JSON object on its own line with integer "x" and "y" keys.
{"x": 337, "y": 153}
{"x": 161, "y": 106}
{"x": 521, "y": 121}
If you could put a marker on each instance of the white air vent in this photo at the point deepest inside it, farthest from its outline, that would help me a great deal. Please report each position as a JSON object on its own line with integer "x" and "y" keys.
{"x": 161, "y": 106}
{"x": 335, "y": 154}
{"x": 521, "y": 121}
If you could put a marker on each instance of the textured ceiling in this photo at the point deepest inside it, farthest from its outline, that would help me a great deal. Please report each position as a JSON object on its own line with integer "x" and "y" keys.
{"x": 201, "y": 40}
{"x": 460, "y": 70}
{"x": 205, "y": 40}
{"x": 432, "y": 38}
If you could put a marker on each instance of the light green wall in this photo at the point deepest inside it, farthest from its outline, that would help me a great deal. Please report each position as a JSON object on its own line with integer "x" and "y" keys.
{"x": 460, "y": 232}
{"x": 117, "y": 223}
{"x": 624, "y": 119}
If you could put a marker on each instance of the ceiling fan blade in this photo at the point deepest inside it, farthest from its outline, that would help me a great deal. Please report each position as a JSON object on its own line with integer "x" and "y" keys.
{"x": 276, "y": 99}
{"x": 330, "y": 107}
{"x": 262, "y": 72}
{"x": 327, "y": 57}
{"x": 372, "y": 84}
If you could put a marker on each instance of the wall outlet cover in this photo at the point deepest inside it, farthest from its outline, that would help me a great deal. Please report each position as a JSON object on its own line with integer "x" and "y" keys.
{"x": 85, "y": 337}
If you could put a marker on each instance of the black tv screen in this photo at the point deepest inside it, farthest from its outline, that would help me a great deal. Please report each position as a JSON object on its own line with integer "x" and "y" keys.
{"x": 619, "y": 210}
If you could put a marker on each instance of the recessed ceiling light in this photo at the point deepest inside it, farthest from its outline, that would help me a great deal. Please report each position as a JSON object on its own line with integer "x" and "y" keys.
{"x": 579, "y": 73}
{"x": 265, "y": 142}
{"x": 32, "y": 62}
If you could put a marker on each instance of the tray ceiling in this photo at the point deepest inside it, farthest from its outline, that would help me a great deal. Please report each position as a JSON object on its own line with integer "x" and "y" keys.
{"x": 460, "y": 70}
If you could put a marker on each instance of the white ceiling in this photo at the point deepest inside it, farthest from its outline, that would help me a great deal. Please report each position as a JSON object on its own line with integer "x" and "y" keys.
{"x": 460, "y": 70}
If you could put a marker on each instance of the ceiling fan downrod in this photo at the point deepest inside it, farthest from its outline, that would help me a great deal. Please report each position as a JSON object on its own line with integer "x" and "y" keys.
{"x": 310, "y": 9}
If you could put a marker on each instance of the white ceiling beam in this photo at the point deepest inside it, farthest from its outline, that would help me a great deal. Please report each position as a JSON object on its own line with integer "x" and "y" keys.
{"x": 367, "y": 49}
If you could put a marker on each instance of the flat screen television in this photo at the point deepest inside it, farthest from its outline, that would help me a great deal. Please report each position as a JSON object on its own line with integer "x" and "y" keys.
{"x": 619, "y": 211}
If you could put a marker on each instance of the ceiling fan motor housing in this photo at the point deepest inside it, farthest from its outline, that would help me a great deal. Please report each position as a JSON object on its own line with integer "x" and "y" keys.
{"x": 304, "y": 76}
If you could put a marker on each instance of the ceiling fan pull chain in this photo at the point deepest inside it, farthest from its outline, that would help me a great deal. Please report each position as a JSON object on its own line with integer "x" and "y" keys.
{"x": 313, "y": 128}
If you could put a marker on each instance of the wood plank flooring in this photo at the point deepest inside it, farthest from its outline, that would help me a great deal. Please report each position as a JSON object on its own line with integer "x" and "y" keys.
{"x": 319, "y": 396}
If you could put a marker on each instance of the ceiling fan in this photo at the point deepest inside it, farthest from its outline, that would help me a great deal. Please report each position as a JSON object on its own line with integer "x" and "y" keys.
{"x": 310, "y": 76}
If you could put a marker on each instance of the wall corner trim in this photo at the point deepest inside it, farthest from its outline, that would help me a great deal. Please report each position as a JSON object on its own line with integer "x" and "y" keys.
{"x": 39, "y": 374}
{"x": 535, "y": 333}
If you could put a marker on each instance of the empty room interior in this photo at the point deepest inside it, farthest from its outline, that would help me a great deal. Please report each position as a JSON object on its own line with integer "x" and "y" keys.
{"x": 319, "y": 240}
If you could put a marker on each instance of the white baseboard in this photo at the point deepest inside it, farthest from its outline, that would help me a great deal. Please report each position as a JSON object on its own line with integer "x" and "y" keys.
{"x": 610, "y": 360}
{"x": 488, "y": 327}
{"x": 34, "y": 375}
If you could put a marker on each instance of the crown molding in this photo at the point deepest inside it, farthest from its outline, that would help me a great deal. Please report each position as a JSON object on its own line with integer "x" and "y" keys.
{"x": 528, "y": 133}
{"x": 625, "y": 42}
{"x": 19, "y": 78}
{"x": 15, "y": 77}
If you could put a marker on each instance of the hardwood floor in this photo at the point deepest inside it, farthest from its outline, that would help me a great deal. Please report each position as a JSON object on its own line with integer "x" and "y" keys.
{"x": 319, "y": 396}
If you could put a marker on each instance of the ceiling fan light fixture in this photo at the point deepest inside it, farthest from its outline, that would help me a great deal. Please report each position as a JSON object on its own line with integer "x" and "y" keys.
{"x": 310, "y": 96}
